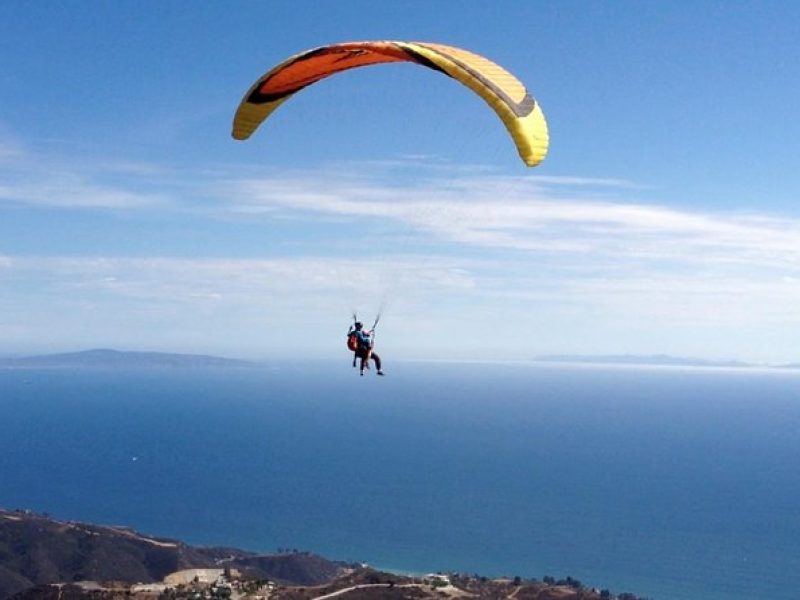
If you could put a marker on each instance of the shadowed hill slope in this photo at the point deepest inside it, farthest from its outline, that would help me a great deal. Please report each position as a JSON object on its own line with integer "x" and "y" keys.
{"x": 37, "y": 550}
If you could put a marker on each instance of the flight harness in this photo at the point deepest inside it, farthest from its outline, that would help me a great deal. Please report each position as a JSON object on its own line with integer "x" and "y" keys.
{"x": 353, "y": 343}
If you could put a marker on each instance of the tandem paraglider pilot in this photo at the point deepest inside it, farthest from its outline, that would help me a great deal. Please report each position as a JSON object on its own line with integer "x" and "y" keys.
{"x": 360, "y": 342}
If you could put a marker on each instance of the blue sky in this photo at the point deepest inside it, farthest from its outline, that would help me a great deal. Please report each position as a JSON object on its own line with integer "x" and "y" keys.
{"x": 664, "y": 220}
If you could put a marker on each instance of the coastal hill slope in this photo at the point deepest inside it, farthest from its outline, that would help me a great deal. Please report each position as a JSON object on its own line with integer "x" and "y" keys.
{"x": 36, "y": 549}
{"x": 42, "y": 558}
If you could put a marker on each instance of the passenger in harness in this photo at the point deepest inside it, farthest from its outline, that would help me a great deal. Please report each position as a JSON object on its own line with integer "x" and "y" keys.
{"x": 360, "y": 343}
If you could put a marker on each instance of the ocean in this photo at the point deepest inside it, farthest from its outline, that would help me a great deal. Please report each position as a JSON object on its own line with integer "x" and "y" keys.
{"x": 675, "y": 484}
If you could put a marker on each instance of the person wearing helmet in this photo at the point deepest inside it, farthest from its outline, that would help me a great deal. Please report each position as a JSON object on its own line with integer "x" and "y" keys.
{"x": 363, "y": 348}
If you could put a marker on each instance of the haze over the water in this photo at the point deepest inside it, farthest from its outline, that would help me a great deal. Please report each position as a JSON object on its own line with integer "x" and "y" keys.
{"x": 665, "y": 218}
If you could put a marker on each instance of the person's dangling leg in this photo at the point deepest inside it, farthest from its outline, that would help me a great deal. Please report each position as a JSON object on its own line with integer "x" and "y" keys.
{"x": 377, "y": 360}
{"x": 363, "y": 365}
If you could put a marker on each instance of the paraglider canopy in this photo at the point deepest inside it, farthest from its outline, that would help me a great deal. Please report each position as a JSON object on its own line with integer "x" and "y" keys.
{"x": 502, "y": 91}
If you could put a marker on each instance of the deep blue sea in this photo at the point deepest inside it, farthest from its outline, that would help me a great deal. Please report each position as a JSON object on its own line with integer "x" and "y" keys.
{"x": 675, "y": 484}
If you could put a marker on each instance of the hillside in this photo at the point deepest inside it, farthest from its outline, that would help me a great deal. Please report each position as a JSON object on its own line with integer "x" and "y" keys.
{"x": 37, "y": 550}
{"x": 46, "y": 559}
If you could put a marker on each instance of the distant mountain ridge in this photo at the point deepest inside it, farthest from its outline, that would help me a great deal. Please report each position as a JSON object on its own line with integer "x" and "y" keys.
{"x": 110, "y": 358}
{"x": 653, "y": 360}
{"x": 103, "y": 357}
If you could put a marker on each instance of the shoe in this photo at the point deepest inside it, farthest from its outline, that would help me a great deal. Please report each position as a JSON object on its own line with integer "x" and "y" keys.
{"x": 379, "y": 373}
{"x": 361, "y": 373}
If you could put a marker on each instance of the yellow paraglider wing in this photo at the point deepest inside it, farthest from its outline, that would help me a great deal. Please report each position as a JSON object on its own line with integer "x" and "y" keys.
{"x": 502, "y": 91}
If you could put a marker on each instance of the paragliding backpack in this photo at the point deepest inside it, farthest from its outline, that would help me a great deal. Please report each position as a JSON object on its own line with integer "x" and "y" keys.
{"x": 352, "y": 341}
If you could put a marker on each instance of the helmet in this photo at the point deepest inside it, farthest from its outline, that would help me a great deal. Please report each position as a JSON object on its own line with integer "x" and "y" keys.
{"x": 358, "y": 325}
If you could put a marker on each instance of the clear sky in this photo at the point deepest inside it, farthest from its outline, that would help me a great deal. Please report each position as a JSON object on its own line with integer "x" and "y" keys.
{"x": 666, "y": 218}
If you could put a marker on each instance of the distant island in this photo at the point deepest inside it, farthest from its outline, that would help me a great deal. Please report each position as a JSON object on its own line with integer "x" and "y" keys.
{"x": 664, "y": 360}
{"x": 120, "y": 359}
{"x": 42, "y": 558}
